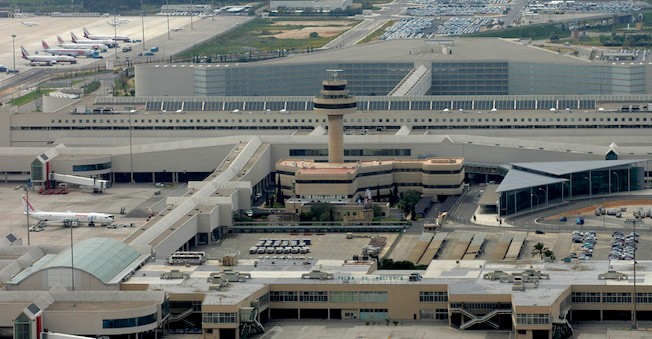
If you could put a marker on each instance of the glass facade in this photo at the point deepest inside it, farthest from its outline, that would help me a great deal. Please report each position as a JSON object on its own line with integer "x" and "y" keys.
{"x": 91, "y": 167}
{"x": 433, "y": 296}
{"x": 298, "y": 79}
{"x": 532, "y": 319}
{"x": 472, "y": 77}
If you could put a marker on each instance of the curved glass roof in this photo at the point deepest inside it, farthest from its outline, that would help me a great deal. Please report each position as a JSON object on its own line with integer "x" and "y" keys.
{"x": 104, "y": 258}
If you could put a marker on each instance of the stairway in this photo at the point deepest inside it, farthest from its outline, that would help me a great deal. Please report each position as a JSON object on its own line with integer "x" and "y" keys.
{"x": 484, "y": 319}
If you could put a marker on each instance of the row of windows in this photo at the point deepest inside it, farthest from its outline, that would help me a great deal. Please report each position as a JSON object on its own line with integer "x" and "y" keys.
{"x": 436, "y": 314}
{"x": 482, "y": 305}
{"x": 375, "y": 105}
{"x": 313, "y": 296}
{"x": 433, "y": 296}
{"x": 359, "y": 120}
{"x": 334, "y": 296}
{"x": 219, "y": 318}
{"x": 609, "y": 297}
{"x": 532, "y": 319}
{"x": 129, "y": 322}
{"x": 352, "y": 152}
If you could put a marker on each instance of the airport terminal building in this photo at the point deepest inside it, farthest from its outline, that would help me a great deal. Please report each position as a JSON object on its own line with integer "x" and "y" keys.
{"x": 220, "y": 131}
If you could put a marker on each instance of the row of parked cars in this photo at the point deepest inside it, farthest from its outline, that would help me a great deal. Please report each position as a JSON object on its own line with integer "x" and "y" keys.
{"x": 623, "y": 247}
{"x": 588, "y": 240}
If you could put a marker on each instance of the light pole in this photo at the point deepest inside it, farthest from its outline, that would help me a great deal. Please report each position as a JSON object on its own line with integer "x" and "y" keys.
{"x": 636, "y": 220}
{"x": 13, "y": 44}
{"x": 590, "y": 186}
{"x": 72, "y": 260}
{"x": 131, "y": 150}
{"x": 617, "y": 182}
{"x": 27, "y": 207}
{"x": 167, "y": 14}
{"x": 115, "y": 38}
{"x": 191, "y": 14}
{"x": 142, "y": 22}
{"x": 532, "y": 195}
{"x": 545, "y": 192}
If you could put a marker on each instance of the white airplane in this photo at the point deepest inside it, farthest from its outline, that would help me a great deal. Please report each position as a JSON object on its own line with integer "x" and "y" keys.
{"x": 29, "y": 23}
{"x": 97, "y": 47}
{"x": 90, "y": 219}
{"x": 176, "y": 29}
{"x": 108, "y": 43}
{"x": 73, "y": 52}
{"x": 88, "y": 35}
{"x": 47, "y": 59}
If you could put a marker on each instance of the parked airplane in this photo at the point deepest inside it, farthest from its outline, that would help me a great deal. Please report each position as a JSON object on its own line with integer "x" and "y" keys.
{"x": 47, "y": 59}
{"x": 108, "y": 43}
{"x": 96, "y": 46}
{"x": 74, "y": 52}
{"x": 88, "y": 35}
{"x": 29, "y": 23}
{"x": 176, "y": 29}
{"x": 90, "y": 219}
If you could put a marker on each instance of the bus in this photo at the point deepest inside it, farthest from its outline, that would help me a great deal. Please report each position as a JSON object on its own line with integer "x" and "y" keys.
{"x": 187, "y": 258}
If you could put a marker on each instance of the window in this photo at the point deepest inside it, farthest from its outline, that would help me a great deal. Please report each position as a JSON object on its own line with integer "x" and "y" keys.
{"x": 373, "y": 297}
{"x": 441, "y": 314}
{"x": 283, "y": 296}
{"x": 585, "y": 297}
{"x": 92, "y": 167}
{"x": 313, "y": 296}
{"x": 433, "y": 296}
{"x": 426, "y": 314}
{"x": 219, "y": 318}
{"x": 532, "y": 319}
{"x": 616, "y": 297}
{"x": 343, "y": 297}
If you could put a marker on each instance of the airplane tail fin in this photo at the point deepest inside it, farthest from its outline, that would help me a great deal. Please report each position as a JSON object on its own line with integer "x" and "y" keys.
{"x": 44, "y": 44}
{"x": 60, "y": 39}
{"x": 86, "y": 32}
{"x": 24, "y": 52}
{"x": 73, "y": 37}
{"x": 28, "y": 206}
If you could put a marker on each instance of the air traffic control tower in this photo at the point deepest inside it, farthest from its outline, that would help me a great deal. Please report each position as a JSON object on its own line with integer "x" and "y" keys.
{"x": 334, "y": 101}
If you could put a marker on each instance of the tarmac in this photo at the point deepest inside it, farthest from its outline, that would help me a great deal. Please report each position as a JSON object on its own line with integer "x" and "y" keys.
{"x": 156, "y": 29}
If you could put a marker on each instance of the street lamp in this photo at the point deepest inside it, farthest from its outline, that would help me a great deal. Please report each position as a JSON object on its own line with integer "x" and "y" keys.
{"x": 545, "y": 192}
{"x": 636, "y": 220}
{"x": 131, "y": 149}
{"x": 617, "y": 181}
{"x": 590, "y": 186}
{"x": 532, "y": 195}
{"x": 13, "y": 43}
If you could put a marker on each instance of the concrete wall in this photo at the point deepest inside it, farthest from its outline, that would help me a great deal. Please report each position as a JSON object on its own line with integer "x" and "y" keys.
{"x": 5, "y": 128}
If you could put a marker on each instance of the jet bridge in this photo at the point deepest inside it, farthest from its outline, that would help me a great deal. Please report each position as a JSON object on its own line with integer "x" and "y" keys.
{"x": 98, "y": 185}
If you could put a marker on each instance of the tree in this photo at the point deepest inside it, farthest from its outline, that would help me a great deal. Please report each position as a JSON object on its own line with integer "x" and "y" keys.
{"x": 314, "y": 35}
{"x": 279, "y": 192}
{"x": 393, "y": 195}
{"x": 409, "y": 201}
{"x": 539, "y": 249}
{"x": 549, "y": 254}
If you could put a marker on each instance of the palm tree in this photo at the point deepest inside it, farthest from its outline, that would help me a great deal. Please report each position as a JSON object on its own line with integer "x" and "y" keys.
{"x": 539, "y": 249}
